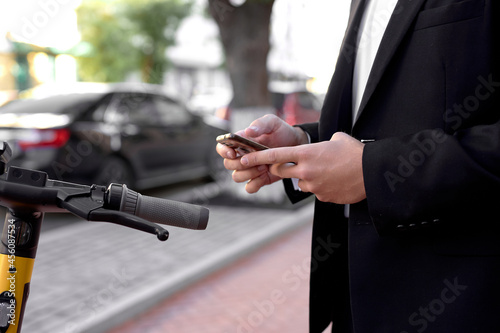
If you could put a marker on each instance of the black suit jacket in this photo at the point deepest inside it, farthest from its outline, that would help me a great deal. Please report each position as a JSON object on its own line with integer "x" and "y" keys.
{"x": 422, "y": 253}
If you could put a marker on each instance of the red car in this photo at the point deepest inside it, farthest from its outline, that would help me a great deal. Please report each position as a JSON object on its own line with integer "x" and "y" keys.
{"x": 294, "y": 107}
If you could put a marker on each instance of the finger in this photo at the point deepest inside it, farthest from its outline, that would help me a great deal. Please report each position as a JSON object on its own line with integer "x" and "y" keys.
{"x": 241, "y": 133}
{"x": 285, "y": 170}
{"x": 261, "y": 126}
{"x": 270, "y": 156}
{"x": 255, "y": 184}
{"x": 240, "y": 176}
{"x": 225, "y": 151}
{"x": 234, "y": 164}
{"x": 303, "y": 185}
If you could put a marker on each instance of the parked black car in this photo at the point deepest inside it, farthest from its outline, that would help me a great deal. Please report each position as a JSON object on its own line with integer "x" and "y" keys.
{"x": 125, "y": 133}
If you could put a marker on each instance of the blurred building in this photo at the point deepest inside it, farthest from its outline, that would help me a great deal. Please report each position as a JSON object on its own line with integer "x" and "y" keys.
{"x": 23, "y": 66}
{"x": 305, "y": 39}
{"x": 197, "y": 58}
{"x": 8, "y": 89}
{"x": 38, "y": 41}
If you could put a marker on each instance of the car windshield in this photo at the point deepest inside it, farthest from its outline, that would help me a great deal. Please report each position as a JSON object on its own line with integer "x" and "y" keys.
{"x": 62, "y": 104}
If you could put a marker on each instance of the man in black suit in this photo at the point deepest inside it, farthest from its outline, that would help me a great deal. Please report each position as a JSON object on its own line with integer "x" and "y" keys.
{"x": 405, "y": 165}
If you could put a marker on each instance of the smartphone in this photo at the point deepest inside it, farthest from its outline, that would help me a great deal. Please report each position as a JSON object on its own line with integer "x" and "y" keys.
{"x": 240, "y": 144}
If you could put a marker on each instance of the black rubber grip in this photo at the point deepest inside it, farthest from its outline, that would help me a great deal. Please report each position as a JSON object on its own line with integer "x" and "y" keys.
{"x": 157, "y": 210}
{"x": 174, "y": 213}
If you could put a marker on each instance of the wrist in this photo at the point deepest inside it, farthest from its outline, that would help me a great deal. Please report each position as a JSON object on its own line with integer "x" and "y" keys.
{"x": 302, "y": 137}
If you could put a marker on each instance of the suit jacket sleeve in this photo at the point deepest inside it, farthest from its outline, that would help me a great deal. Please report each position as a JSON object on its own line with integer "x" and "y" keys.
{"x": 430, "y": 177}
{"x": 435, "y": 118}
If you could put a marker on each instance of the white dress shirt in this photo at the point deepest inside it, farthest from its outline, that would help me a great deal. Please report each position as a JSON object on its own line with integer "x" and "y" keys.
{"x": 372, "y": 28}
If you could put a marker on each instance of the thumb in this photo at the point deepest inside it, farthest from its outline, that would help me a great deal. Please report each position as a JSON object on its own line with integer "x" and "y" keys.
{"x": 263, "y": 125}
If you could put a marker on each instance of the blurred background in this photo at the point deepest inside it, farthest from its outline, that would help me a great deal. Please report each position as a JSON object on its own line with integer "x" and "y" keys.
{"x": 221, "y": 61}
{"x": 135, "y": 92}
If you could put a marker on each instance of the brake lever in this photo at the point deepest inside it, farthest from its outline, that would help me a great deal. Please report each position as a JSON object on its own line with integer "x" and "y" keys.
{"x": 88, "y": 203}
{"x": 128, "y": 220}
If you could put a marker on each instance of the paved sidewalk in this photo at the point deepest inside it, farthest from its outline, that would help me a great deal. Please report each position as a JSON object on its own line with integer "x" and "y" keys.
{"x": 266, "y": 292}
{"x": 91, "y": 277}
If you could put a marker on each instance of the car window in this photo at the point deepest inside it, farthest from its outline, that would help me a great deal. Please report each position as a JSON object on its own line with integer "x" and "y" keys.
{"x": 170, "y": 112}
{"x": 141, "y": 110}
{"x": 97, "y": 112}
{"x": 132, "y": 108}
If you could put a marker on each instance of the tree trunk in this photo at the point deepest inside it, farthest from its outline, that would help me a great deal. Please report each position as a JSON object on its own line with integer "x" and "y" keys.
{"x": 244, "y": 32}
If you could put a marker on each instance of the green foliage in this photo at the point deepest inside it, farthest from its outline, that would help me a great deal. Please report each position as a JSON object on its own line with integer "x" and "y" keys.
{"x": 127, "y": 36}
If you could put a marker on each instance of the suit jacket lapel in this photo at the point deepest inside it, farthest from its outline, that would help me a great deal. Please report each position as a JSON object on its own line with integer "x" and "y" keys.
{"x": 401, "y": 20}
{"x": 355, "y": 5}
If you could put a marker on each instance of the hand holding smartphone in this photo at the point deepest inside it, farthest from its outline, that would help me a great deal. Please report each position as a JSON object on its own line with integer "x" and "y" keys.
{"x": 240, "y": 144}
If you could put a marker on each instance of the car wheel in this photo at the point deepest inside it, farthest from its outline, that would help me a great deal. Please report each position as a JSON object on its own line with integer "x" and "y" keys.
{"x": 115, "y": 170}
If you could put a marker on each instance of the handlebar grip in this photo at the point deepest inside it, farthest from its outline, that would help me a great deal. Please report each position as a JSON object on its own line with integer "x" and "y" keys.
{"x": 157, "y": 210}
{"x": 178, "y": 214}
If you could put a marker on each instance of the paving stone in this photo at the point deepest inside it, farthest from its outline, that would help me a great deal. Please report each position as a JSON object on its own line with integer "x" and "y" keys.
{"x": 90, "y": 277}
{"x": 266, "y": 292}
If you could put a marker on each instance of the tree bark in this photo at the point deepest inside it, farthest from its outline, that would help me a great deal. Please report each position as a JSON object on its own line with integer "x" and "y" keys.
{"x": 244, "y": 32}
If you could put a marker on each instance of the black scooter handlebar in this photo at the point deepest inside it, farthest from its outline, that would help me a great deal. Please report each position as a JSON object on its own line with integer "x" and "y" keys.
{"x": 157, "y": 210}
{"x": 31, "y": 190}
